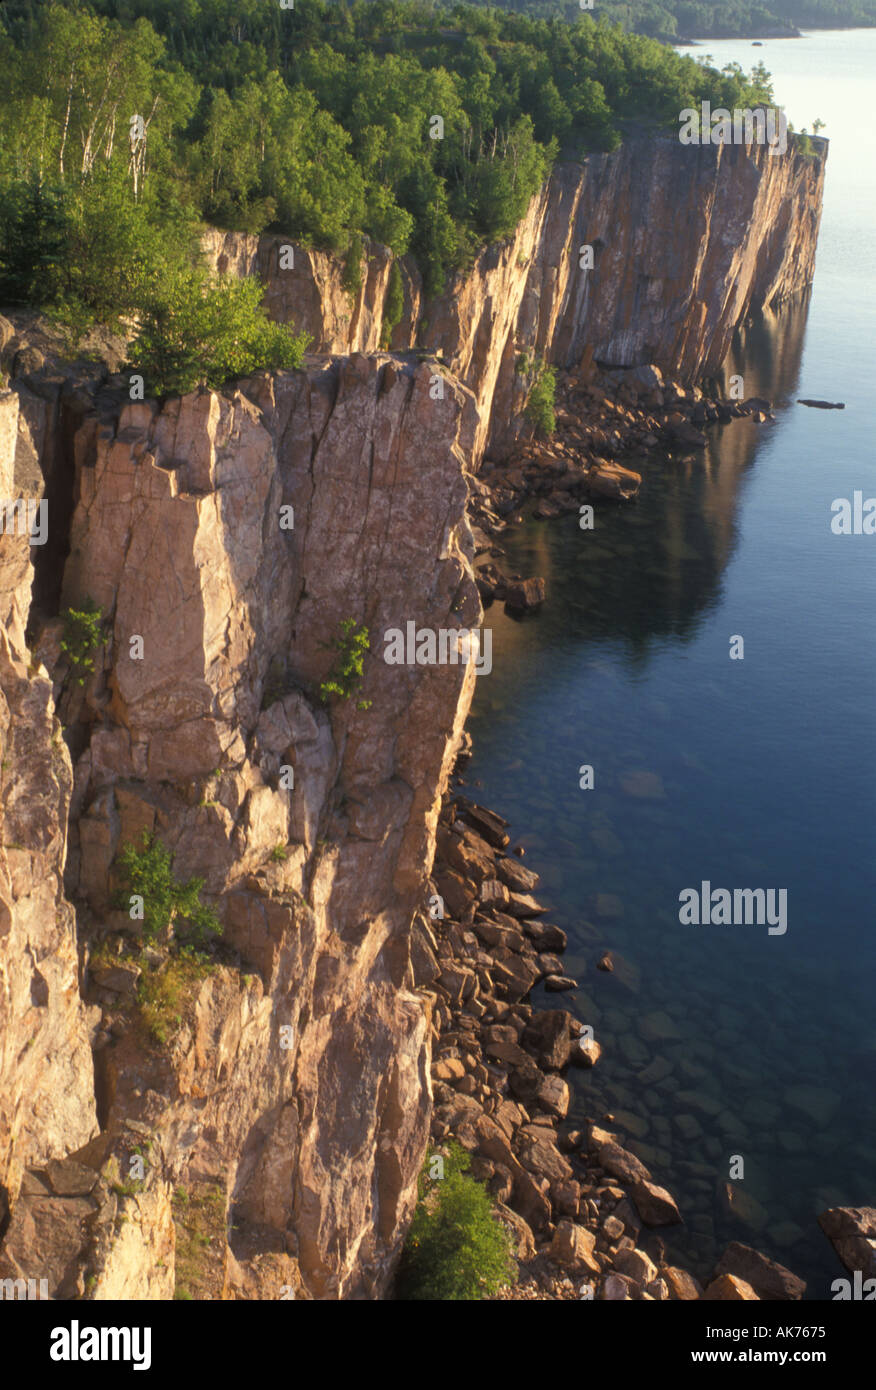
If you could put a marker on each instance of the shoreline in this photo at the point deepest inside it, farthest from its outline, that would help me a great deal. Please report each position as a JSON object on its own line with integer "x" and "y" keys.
{"x": 585, "y": 1212}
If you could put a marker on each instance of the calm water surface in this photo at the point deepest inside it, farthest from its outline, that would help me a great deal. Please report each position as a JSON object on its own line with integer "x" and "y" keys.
{"x": 762, "y": 769}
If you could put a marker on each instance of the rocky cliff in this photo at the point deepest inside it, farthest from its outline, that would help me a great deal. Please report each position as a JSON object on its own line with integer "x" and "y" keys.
{"x": 290, "y": 1083}
{"x": 268, "y": 1113}
{"x": 687, "y": 241}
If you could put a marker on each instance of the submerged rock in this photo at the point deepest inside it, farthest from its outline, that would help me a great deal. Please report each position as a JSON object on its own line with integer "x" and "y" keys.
{"x": 852, "y": 1233}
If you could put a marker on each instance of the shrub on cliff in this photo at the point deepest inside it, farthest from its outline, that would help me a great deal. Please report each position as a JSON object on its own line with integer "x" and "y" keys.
{"x": 540, "y": 405}
{"x": 81, "y": 638}
{"x": 456, "y": 1250}
{"x": 146, "y": 872}
{"x": 345, "y": 678}
{"x": 202, "y": 331}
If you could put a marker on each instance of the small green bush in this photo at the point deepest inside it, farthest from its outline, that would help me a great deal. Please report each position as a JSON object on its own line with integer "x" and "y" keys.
{"x": 540, "y": 405}
{"x": 199, "y": 331}
{"x": 345, "y": 678}
{"x": 82, "y": 636}
{"x": 148, "y": 871}
{"x": 455, "y": 1249}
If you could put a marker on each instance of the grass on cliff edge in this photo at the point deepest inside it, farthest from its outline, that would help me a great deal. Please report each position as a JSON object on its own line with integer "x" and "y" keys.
{"x": 201, "y": 1229}
{"x": 456, "y": 1249}
{"x": 164, "y": 994}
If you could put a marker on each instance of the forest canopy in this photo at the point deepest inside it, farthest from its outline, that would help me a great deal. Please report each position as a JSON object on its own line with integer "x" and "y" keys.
{"x": 128, "y": 124}
{"x": 673, "y": 20}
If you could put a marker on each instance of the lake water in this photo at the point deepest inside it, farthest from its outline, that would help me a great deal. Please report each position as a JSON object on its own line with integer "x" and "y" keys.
{"x": 761, "y": 770}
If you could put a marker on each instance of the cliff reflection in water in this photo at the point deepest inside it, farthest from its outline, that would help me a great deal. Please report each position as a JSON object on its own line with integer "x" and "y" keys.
{"x": 626, "y": 668}
{"x": 651, "y": 569}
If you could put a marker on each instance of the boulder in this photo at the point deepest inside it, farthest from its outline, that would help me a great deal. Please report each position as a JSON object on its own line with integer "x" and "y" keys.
{"x": 612, "y": 481}
{"x": 453, "y": 890}
{"x": 524, "y": 595}
{"x": 491, "y": 582}
{"x": 494, "y": 894}
{"x": 644, "y": 379}
{"x": 741, "y": 1205}
{"x": 636, "y": 1265}
{"x": 655, "y": 1205}
{"x": 852, "y": 1233}
{"x": 531, "y": 1200}
{"x": 424, "y": 963}
{"x": 586, "y": 1052}
{"x": 544, "y": 936}
{"x": 539, "y": 1154}
{"x": 572, "y": 1247}
{"x": 520, "y": 1230}
{"x": 616, "y": 1160}
{"x": 547, "y": 1037}
{"x": 728, "y": 1288}
{"x": 616, "y": 1289}
{"x": 770, "y": 1281}
{"x": 450, "y": 1069}
{"x": 515, "y": 876}
{"x": 682, "y": 1285}
{"x": 516, "y": 975}
{"x": 524, "y": 905}
{"x": 491, "y": 826}
{"x": 553, "y": 1096}
{"x": 525, "y": 1080}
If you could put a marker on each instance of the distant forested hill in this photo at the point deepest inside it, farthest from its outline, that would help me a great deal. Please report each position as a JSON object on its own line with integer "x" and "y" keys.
{"x": 695, "y": 19}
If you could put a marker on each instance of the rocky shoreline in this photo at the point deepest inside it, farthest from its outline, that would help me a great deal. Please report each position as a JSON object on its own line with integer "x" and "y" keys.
{"x": 606, "y": 420}
{"x": 585, "y": 1215}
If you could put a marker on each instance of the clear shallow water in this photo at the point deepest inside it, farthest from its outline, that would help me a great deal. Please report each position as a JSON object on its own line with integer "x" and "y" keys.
{"x": 765, "y": 766}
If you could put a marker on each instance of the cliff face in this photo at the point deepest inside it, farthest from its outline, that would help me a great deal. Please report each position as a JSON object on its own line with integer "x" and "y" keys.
{"x": 225, "y": 538}
{"x": 687, "y": 240}
{"x": 47, "y": 1091}
{"x": 297, "y": 1086}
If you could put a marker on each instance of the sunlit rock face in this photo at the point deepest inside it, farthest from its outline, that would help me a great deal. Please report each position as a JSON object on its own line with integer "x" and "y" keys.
{"x": 46, "y": 1079}
{"x": 226, "y": 538}
{"x": 686, "y": 241}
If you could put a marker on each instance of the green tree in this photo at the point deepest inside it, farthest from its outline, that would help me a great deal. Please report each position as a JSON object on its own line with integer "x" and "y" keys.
{"x": 540, "y": 402}
{"x": 34, "y": 225}
{"x": 197, "y": 331}
{"x": 82, "y": 637}
{"x": 345, "y": 678}
{"x": 147, "y": 872}
{"x": 455, "y": 1249}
